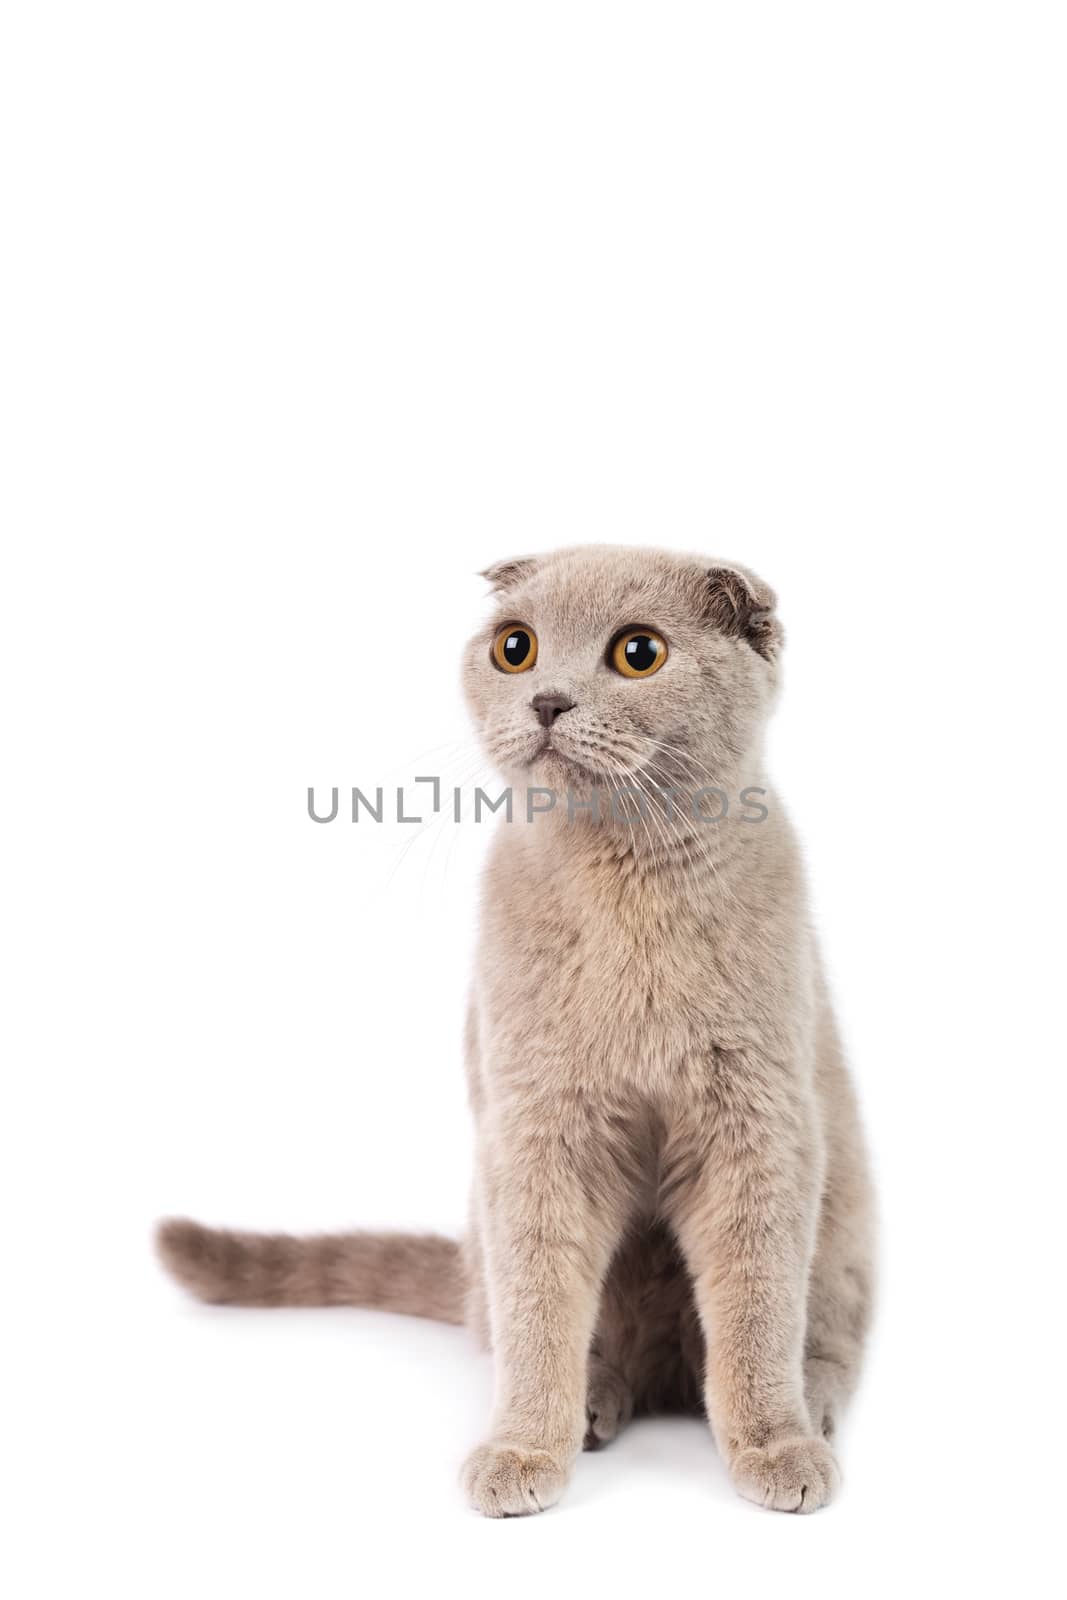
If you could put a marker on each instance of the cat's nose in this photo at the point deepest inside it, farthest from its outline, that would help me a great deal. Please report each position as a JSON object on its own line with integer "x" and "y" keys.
{"x": 547, "y": 707}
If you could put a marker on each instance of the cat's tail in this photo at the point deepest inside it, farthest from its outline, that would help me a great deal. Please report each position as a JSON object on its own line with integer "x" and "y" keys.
{"x": 420, "y": 1274}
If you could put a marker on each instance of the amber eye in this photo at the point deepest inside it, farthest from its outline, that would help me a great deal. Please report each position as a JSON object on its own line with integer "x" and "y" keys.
{"x": 638, "y": 653}
{"x": 515, "y": 649}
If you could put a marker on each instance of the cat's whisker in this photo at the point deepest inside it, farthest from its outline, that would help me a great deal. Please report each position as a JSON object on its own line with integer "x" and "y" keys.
{"x": 672, "y": 822}
{"x": 668, "y": 824}
{"x": 634, "y": 782}
{"x": 409, "y": 767}
{"x": 474, "y": 764}
{"x": 481, "y": 779}
{"x": 678, "y": 753}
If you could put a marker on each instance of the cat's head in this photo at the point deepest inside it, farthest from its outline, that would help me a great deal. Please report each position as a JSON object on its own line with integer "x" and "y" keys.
{"x": 601, "y": 663}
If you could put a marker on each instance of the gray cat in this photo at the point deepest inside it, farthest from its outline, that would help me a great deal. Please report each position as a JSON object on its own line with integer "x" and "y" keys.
{"x": 671, "y": 1207}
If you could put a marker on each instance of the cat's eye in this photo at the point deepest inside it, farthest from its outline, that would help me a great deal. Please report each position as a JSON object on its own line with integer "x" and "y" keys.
{"x": 638, "y": 653}
{"x": 515, "y": 648}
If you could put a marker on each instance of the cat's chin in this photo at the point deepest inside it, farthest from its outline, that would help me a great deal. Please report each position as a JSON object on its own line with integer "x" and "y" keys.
{"x": 555, "y": 769}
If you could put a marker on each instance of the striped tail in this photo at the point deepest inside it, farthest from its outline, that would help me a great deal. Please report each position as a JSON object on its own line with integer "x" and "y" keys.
{"x": 420, "y": 1274}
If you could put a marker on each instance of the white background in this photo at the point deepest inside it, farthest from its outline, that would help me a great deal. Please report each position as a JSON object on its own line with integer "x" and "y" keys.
{"x": 309, "y": 312}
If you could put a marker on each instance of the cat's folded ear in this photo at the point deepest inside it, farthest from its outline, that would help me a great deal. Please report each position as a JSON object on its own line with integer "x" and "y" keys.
{"x": 506, "y": 574}
{"x": 742, "y": 605}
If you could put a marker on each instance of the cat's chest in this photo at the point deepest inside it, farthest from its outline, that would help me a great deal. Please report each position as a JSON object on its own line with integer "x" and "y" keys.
{"x": 619, "y": 980}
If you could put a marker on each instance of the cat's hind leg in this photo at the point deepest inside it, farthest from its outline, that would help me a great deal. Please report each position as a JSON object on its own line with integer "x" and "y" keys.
{"x": 838, "y": 1313}
{"x": 840, "y": 1292}
{"x": 644, "y": 1357}
{"x": 841, "y": 1276}
{"x": 609, "y": 1403}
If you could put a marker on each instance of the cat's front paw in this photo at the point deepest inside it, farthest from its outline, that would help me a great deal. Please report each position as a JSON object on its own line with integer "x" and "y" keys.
{"x": 795, "y": 1474}
{"x": 503, "y": 1480}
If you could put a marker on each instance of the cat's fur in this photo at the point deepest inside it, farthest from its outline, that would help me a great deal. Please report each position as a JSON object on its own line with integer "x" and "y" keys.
{"x": 671, "y": 1204}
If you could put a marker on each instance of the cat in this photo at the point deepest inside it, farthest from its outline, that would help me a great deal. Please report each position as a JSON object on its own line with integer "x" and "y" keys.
{"x": 671, "y": 1204}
